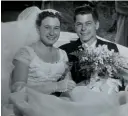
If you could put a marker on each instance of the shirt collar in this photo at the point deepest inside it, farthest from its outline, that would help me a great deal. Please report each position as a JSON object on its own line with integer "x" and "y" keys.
{"x": 93, "y": 45}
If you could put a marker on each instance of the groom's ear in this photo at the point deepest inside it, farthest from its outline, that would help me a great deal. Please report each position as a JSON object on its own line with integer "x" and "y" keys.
{"x": 97, "y": 25}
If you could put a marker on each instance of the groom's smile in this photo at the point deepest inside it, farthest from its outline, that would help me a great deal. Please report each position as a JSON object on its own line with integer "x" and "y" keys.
{"x": 85, "y": 27}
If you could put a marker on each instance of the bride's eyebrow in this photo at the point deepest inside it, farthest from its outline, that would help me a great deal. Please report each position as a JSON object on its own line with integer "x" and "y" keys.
{"x": 78, "y": 23}
{"x": 84, "y": 22}
{"x": 58, "y": 26}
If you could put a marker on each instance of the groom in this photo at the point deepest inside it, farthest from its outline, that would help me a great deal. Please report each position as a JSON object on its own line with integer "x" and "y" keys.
{"x": 86, "y": 23}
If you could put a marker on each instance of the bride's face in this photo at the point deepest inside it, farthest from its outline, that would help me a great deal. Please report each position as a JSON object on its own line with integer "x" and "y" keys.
{"x": 50, "y": 30}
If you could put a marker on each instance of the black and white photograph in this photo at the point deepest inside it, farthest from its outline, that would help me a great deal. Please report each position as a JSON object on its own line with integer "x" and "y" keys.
{"x": 64, "y": 58}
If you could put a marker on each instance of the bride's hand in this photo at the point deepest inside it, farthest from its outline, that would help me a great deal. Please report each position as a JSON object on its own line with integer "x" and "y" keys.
{"x": 65, "y": 85}
{"x": 70, "y": 85}
{"x": 114, "y": 85}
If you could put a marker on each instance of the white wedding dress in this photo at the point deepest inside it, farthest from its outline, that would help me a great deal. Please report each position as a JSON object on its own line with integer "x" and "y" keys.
{"x": 82, "y": 102}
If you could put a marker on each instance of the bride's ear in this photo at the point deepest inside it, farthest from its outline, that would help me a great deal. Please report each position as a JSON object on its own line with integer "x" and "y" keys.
{"x": 97, "y": 25}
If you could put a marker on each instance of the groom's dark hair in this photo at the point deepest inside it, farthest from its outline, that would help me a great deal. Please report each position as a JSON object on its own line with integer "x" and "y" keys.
{"x": 86, "y": 9}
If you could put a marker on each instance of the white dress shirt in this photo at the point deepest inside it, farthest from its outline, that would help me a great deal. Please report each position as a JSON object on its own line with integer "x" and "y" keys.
{"x": 93, "y": 45}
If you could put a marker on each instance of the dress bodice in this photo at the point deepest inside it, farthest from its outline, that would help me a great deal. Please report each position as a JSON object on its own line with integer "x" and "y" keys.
{"x": 40, "y": 71}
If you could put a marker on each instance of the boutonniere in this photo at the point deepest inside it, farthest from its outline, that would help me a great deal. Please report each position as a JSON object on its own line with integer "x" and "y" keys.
{"x": 80, "y": 48}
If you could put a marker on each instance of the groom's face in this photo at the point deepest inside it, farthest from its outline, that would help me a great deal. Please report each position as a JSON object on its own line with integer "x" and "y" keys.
{"x": 85, "y": 27}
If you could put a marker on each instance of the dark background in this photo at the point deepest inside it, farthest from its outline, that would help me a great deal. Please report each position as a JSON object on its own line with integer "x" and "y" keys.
{"x": 106, "y": 10}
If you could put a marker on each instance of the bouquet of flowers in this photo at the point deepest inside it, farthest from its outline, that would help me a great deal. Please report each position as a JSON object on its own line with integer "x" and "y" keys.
{"x": 101, "y": 61}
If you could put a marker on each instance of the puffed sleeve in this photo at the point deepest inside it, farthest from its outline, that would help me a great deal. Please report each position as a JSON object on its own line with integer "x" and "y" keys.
{"x": 64, "y": 56}
{"x": 24, "y": 55}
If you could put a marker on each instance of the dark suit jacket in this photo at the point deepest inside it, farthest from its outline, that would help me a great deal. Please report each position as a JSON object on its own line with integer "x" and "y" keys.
{"x": 73, "y": 46}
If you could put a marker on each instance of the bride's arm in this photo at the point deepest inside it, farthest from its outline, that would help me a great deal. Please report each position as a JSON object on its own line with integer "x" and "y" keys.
{"x": 19, "y": 76}
{"x": 46, "y": 87}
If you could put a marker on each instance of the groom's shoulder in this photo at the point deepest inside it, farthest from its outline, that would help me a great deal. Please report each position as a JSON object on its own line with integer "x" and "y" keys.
{"x": 110, "y": 45}
{"x": 69, "y": 47}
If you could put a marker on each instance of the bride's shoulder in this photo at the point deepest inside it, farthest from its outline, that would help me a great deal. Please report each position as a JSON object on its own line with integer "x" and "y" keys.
{"x": 33, "y": 45}
{"x": 63, "y": 54}
{"x": 60, "y": 50}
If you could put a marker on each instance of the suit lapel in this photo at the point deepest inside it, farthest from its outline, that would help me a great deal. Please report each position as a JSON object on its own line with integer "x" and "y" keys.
{"x": 77, "y": 45}
{"x": 99, "y": 42}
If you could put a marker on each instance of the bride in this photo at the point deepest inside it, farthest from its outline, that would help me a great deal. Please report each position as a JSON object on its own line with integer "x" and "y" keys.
{"x": 40, "y": 65}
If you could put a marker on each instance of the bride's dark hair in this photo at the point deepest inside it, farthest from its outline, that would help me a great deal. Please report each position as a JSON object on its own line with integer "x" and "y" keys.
{"x": 41, "y": 16}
